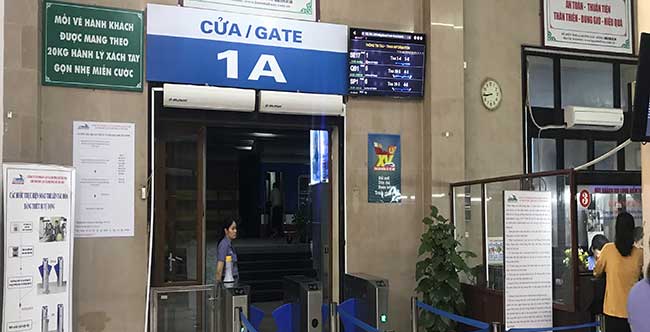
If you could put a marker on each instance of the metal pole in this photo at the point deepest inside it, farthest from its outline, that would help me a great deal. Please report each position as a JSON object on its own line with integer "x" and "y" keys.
{"x": 496, "y": 327}
{"x": 334, "y": 317}
{"x": 414, "y": 314}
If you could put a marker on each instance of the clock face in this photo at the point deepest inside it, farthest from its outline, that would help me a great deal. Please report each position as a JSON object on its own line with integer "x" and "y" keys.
{"x": 491, "y": 94}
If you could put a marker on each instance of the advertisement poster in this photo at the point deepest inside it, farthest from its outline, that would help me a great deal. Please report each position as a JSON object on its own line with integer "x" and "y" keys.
{"x": 594, "y": 25}
{"x": 92, "y": 47}
{"x": 38, "y": 224}
{"x": 384, "y": 168}
{"x": 294, "y": 9}
{"x": 103, "y": 155}
{"x": 495, "y": 250}
{"x": 209, "y": 47}
{"x": 528, "y": 259}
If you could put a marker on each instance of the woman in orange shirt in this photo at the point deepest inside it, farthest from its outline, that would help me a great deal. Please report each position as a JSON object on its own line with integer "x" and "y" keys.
{"x": 622, "y": 264}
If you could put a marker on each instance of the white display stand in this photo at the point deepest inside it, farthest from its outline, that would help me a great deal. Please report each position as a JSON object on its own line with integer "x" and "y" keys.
{"x": 528, "y": 226}
{"x": 38, "y": 231}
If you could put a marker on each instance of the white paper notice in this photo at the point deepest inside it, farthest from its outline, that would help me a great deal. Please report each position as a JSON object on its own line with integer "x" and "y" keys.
{"x": 528, "y": 255}
{"x": 38, "y": 222}
{"x": 104, "y": 158}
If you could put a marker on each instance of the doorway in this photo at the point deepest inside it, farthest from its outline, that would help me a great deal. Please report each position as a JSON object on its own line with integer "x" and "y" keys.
{"x": 278, "y": 175}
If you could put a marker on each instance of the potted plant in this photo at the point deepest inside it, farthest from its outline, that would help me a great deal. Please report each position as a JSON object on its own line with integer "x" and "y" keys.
{"x": 438, "y": 273}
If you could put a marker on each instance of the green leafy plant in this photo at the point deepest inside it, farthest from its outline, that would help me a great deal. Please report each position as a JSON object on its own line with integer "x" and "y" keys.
{"x": 438, "y": 273}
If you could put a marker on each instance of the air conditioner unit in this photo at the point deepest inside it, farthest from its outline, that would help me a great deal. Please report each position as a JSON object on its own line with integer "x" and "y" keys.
{"x": 208, "y": 98}
{"x": 300, "y": 103}
{"x": 591, "y": 118}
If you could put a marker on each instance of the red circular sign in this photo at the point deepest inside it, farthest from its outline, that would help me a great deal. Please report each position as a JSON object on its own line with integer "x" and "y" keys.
{"x": 585, "y": 198}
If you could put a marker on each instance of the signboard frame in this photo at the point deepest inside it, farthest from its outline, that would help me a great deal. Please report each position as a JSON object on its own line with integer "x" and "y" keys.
{"x": 303, "y": 14}
{"x": 43, "y": 239}
{"x": 245, "y": 51}
{"x": 563, "y": 46}
{"x": 46, "y": 81}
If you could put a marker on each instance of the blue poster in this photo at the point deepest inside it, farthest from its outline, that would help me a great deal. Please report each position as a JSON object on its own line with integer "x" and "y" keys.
{"x": 206, "y": 47}
{"x": 384, "y": 168}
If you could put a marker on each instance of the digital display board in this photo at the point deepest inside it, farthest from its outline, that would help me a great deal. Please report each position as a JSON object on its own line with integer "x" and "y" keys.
{"x": 384, "y": 63}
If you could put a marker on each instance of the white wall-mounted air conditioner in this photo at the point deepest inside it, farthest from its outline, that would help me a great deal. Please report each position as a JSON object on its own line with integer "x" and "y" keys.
{"x": 592, "y": 118}
{"x": 300, "y": 103}
{"x": 208, "y": 98}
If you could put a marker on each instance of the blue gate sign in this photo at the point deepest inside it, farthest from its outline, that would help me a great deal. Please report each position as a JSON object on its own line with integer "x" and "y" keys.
{"x": 195, "y": 46}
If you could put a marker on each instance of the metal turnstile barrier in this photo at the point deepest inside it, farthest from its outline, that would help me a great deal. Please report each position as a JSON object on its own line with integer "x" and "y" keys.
{"x": 371, "y": 295}
{"x": 307, "y": 298}
{"x": 233, "y": 300}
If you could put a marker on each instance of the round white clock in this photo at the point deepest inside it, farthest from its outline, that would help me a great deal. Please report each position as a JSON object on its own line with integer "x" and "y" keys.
{"x": 491, "y": 94}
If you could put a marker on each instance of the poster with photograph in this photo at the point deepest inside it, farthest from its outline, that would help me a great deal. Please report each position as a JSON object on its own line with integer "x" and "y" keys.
{"x": 38, "y": 217}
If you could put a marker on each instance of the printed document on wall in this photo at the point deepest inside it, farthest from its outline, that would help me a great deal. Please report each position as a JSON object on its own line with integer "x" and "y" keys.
{"x": 528, "y": 255}
{"x": 104, "y": 156}
{"x": 38, "y": 221}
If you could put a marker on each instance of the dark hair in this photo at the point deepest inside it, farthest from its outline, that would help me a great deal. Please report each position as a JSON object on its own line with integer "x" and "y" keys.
{"x": 225, "y": 224}
{"x": 625, "y": 233}
{"x": 597, "y": 243}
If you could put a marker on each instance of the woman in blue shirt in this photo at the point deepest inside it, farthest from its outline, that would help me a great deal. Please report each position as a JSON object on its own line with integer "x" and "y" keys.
{"x": 637, "y": 305}
{"x": 225, "y": 251}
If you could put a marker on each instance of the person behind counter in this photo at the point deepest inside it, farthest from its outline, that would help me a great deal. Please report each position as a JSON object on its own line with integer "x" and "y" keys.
{"x": 638, "y": 304}
{"x": 622, "y": 264}
{"x": 226, "y": 255}
{"x": 597, "y": 244}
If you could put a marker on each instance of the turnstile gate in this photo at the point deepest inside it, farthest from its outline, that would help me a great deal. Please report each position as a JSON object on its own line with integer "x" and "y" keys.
{"x": 233, "y": 299}
{"x": 371, "y": 296}
{"x": 307, "y": 298}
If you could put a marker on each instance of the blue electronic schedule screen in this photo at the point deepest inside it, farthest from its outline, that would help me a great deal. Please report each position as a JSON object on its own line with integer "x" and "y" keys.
{"x": 384, "y": 63}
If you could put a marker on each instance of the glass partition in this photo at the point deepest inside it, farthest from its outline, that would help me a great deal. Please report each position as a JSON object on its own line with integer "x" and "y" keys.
{"x": 469, "y": 229}
{"x": 470, "y": 198}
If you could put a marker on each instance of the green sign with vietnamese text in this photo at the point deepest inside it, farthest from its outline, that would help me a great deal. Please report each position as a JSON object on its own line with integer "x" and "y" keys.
{"x": 92, "y": 47}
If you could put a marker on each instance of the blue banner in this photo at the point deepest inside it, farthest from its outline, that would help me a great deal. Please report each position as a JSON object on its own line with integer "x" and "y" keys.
{"x": 192, "y": 46}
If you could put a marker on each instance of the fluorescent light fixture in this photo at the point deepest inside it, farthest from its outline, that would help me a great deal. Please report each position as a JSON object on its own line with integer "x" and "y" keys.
{"x": 264, "y": 135}
{"x": 247, "y": 148}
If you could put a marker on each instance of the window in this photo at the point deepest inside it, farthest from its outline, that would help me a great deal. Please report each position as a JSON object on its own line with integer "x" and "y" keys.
{"x": 553, "y": 80}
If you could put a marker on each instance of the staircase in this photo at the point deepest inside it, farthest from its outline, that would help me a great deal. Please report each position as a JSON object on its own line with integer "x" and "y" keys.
{"x": 264, "y": 263}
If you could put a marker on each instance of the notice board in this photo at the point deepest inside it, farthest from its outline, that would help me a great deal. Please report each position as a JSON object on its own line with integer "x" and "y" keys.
{"x": 528, "y": 228}
{"x": 38, "y": 223}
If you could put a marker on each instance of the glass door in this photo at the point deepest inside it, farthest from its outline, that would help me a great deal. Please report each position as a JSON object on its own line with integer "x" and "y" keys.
{"x": 179, "y": 207}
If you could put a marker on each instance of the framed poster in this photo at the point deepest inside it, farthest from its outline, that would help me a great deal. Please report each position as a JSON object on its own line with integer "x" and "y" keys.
{"x": 38, "y": 237}
{"x": 596, "y": 25}
{"x": 384, "y": 168}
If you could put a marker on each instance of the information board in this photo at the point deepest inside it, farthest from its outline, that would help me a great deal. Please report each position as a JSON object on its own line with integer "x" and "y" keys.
{"x": 294, "y": 9}
{"x": 386, "y": 63}
{"x": 528, "y": 228}
{"x": 38, "y": 224}
{"x": 92, "y": 47}
{"x": 104, "y": 157}
{"x": 195, "y": 46}
{"x": 594, "y": 25}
